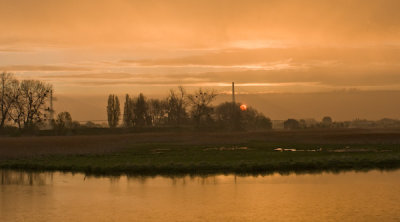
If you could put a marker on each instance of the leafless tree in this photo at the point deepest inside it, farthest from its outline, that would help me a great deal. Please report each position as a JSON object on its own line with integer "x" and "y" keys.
{"x": 200, "y": 102}
{"x": 9, "y": 92}
{"x": 176, "y": 106}
{"x": 29, "y": 98}
{"x": 157, "y": 111}
{"x": 34, "y": 95}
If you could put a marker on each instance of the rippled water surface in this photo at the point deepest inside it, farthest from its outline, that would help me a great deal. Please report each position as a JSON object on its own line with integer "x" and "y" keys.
{"x": 350, "y": 196}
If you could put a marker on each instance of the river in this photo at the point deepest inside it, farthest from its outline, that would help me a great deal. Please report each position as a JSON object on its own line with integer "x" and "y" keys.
{"x": 348, "y": 196}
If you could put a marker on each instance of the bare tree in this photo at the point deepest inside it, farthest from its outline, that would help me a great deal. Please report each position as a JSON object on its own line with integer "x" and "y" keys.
{"x": 17, "y": 113}
{"x": 200, "y": 102}
{"x": 31, "y": 101}
{"x": 23, "y": 102}
{"x": 9, "y": 93}
{"x": 176, "y": 106}
{"x": 113, "y": 110}
{"x": 157, "y": 111}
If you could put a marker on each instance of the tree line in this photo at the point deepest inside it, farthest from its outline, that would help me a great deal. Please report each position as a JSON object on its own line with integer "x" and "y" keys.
{"x": 327, "y": 122}
{"x": 180, "y": 108}
{"x": 24, "y": 105}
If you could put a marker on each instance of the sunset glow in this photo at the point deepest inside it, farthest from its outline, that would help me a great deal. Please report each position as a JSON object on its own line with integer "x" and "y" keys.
{"x": 199, "y": 110}
{"x": 92, "y": 48}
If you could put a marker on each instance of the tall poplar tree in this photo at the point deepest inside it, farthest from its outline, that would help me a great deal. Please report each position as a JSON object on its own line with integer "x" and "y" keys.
{"x": 128, "y": 112}
{"x": 113, "y": 110}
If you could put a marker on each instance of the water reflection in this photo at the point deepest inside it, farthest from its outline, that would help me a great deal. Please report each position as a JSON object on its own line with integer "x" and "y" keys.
{"x": 349, "y": 196}
{"x": 9, "y": 177}
{"x": 33, "y": 178}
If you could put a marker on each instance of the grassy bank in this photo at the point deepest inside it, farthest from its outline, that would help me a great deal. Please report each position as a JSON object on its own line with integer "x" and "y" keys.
{"x": 203, "y": 153}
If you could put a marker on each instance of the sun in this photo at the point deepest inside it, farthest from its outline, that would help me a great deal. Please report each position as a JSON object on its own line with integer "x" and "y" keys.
{"x": 243, "y": 107}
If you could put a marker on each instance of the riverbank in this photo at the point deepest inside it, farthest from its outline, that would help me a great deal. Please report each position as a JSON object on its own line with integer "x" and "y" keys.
{"x": 206, "y": 153}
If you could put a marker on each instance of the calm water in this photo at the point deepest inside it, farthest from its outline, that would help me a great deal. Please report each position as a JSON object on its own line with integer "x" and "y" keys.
{"x": 371, "y": 196}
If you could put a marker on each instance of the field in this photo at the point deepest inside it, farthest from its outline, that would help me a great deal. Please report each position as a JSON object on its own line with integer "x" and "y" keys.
{"x": 205, "y": 153}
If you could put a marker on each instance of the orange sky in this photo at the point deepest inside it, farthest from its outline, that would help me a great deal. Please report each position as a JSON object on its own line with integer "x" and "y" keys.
{"x": 266, "y": 46}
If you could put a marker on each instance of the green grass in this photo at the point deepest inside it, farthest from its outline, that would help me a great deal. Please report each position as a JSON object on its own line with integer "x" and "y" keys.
{"x": 179, "y": 158}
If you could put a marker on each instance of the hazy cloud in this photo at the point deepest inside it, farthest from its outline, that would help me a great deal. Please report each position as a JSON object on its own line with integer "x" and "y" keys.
{"x": 323, "y": 77}
{"x": 104, "y": 76}
{"x": 266, "y": 44}
{"x": 13, "y": 68}
{"x": 207, "y": 23}
{"x": 302, "y": 55}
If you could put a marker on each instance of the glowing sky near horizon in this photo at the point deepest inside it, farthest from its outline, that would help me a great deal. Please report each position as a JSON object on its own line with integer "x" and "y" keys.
{"x": 266, "y": 46}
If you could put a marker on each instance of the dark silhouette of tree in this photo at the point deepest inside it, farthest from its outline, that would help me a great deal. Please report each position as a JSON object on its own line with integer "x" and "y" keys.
{"x": 157, "y": 111}
{"x": 327, "y": 121}
{"x": 29, "y": 103}
{"x": 140, "y": 111}
{"x": 263, "y": 122}
{"x": 113, "y": 111}
{"x": 9, "y": 92}
{"x": 201, "y": 109}
{"x": 291, "y": 124}
{"x": 176, "y": 106}
{"x": 302, "y": 123}
{"x": 128, "y": 112}
{"x": 64, "y": 121}
{"x": 252, "y": 119}
{"x": 228, "y": 116}
{"x": 18, "y": 110}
